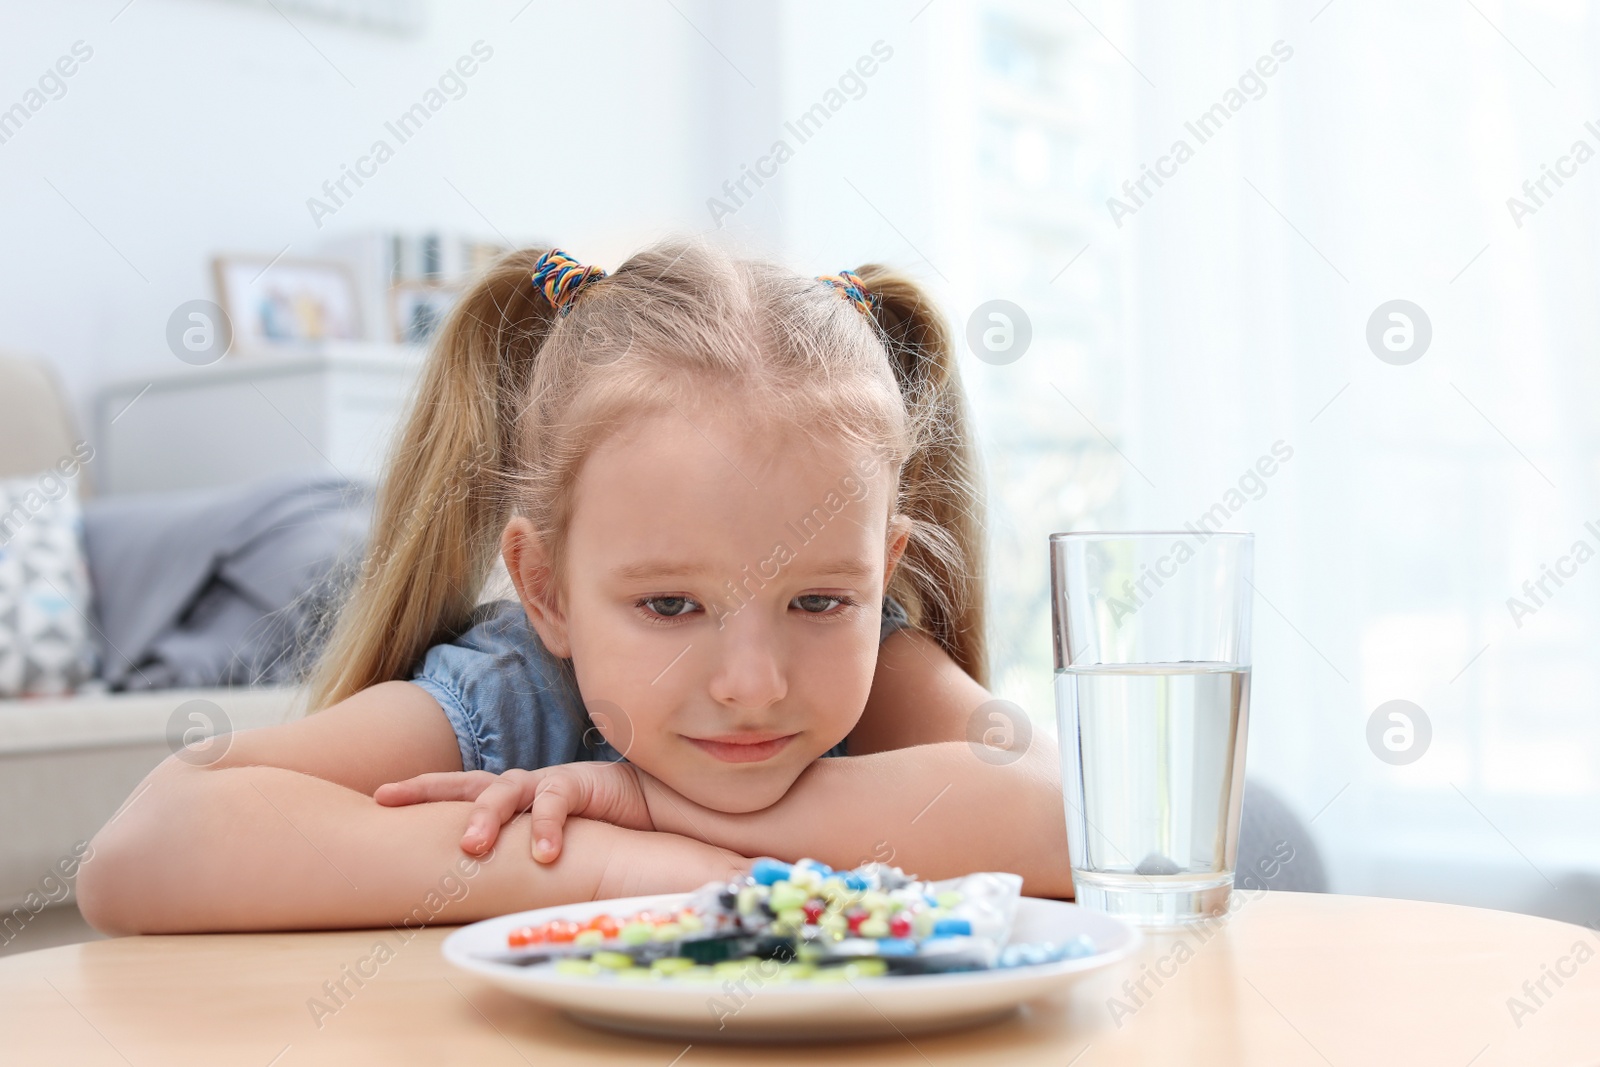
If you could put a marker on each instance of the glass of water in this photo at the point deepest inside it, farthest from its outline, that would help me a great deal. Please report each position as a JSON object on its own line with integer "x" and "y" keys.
{"x": 1152, "y": 650}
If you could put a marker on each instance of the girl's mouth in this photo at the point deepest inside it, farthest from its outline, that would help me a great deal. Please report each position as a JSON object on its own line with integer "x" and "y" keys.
{"x": 742, "y": 748}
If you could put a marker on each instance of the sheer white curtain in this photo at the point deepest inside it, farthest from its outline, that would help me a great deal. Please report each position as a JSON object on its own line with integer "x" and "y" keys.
{"x": 1352, "y": 154}
{"x": 1377, "y": 165}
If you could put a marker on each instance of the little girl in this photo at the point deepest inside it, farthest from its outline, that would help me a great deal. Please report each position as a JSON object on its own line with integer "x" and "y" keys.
{"x": 738, "y": 509}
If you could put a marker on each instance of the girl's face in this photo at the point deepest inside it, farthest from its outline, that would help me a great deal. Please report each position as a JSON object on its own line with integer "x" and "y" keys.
{"x": 721, "y": 601}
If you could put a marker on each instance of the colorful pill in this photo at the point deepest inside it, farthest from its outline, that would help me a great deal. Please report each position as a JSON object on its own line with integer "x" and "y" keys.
{"x": 897, "y": 947}
{"x": 749, "y": 900}
{"x": 766, "y": 871}
{"x": 607, "y": 926}
{"x": 525, "y": 935}
{"x": 785, "y": 896}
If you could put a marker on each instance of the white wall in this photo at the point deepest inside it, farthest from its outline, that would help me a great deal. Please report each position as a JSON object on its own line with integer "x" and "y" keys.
{"x": 200, "y": 126}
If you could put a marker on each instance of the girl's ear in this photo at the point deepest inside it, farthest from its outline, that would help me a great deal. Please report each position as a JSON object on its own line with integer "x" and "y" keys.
{"x": 899, "y": 537}
{"x": 528, "y": 563}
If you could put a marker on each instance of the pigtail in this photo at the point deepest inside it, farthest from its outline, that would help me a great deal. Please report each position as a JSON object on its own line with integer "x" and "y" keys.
{"x": 940, "y": 577}
{"x": 443, "y": 502}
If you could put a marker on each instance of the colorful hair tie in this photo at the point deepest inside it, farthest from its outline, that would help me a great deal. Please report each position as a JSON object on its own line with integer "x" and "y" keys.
{"x": 852, "y": 286}
{"x": 561, "y": 277}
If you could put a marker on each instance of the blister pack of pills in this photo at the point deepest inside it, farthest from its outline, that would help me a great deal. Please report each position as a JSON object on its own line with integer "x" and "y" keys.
{"x": 815, "y": 922}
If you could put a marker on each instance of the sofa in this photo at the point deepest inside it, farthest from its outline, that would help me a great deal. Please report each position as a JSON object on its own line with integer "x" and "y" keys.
{"x": 67, "y": 763}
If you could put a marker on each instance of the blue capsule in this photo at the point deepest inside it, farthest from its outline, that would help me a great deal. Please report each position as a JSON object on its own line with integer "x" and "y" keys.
{"x": 767, "y": 871}
{"x": 896, "y": 947}
{"x": 952, "y": 928}
{"x": 855, "y": 881}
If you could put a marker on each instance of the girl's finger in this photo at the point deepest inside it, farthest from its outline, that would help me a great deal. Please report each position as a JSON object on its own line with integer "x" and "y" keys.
{"x": 500, "y": 802}
{"x": 553, "y": 801}
{"x": 437, "y": 785}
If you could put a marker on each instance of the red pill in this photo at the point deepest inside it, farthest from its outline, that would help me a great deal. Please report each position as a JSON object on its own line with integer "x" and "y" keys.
{"x": 814, "y": 910}
{"x": 524, "y": 935}
{"x": 560, "y": 930}
{"x": 899, "y": 926}
{"x": 856, "y": 918}
{"x": 605, "y": 924}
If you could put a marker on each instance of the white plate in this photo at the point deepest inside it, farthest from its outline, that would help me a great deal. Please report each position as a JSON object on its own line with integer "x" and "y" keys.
{"x": 865, "y": 1007}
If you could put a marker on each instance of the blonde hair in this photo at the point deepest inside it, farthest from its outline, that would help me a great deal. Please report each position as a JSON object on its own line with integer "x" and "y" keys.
{"x": 515, "y": 394}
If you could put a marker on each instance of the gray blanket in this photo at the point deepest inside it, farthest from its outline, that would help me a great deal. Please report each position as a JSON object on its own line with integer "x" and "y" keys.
{"x": 219, "y": 586}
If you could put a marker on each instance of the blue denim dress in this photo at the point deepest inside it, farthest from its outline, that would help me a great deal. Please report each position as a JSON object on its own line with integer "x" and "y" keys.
{"x": 513, "y": 704}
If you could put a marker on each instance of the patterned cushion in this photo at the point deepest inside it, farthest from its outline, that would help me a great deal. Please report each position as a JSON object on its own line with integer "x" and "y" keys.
{"x": 46, "y": 648}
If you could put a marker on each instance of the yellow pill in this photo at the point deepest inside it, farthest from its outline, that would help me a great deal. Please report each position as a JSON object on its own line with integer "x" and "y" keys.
{"x": 612, "y": 961}
{"x": 637, "y": 933}
{"x": 589, "y": 937}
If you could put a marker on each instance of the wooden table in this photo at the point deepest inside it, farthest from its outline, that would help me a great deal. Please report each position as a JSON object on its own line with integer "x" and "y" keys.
{"x": 1290, "y": 979}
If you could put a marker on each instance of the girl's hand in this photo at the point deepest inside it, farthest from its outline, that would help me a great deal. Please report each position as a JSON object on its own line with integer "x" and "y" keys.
{"x": 608, "y": 792}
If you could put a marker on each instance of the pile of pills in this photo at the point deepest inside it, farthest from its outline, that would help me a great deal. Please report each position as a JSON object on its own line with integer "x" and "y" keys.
{"x": 637, "y": 929}
{"x": 801, "y": 922}
{"x": 811, "y": 900}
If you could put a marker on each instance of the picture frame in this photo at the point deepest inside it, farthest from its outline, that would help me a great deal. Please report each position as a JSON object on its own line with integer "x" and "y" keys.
{"x": 417, "y": 308}
{"x": 287, "y": 303}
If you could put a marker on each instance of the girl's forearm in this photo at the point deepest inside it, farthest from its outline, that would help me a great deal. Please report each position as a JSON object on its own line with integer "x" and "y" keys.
{"x": 934, "y": 810}
{"x": 261, "y": 848}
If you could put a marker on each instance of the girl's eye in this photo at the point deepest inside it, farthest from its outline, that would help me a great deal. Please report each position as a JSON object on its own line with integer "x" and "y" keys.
{"x": 668, "y": 606}
{"x": 816, "y": 603}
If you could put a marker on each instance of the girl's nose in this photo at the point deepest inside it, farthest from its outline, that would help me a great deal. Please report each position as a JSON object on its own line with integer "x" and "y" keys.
{"x": 749, "y": 672}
